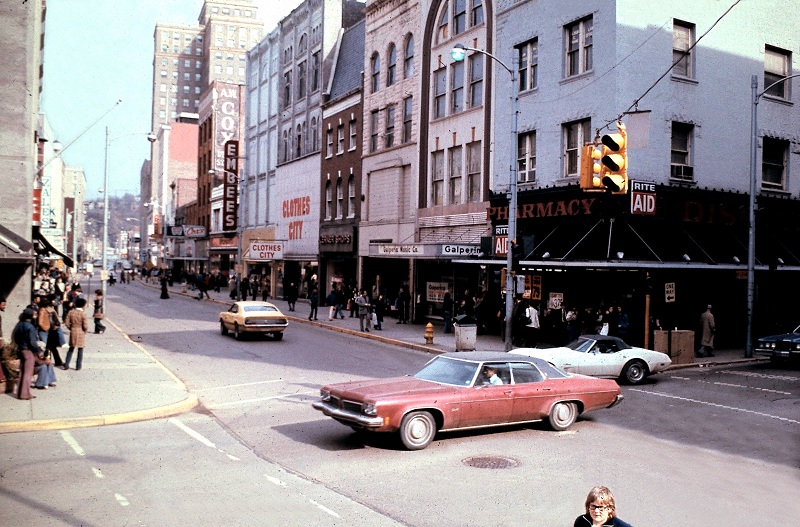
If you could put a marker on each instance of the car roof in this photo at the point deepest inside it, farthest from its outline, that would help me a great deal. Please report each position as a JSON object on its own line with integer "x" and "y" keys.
{"x": 491, "y": 356}
{"x": 251, "y": 303}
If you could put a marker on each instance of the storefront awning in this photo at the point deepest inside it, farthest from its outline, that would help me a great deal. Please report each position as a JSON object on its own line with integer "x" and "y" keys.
{"x": 44, "y": 247}
{"x": 14, "y": 249}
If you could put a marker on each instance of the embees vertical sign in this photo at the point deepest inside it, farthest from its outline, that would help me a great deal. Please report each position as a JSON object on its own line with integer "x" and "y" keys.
{"x": 231, "y": 186}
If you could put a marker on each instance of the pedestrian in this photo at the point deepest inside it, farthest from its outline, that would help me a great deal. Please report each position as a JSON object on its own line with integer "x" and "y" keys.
{"x": 339, "y": 302}
{"x": 709, "y": 328}
{"x": 25, "y": 337}
{"x": 330, "y": 300}
{"x": 447, "y": 308}
{"x": 362, "y": 302}
{"x": 53, "y": 337}
{"x": 254, "y": 287}
{"x": 78, "y": 324}
{"x": 291, "y": 295}
{"x": 314, "y": 299}
{"x": 99, "y": 312}
{"x": 623, "y": 323}
{"x": 380, "y": 311}
{"x": 600, "y": 510}
{"x": 164, "y": 290}
{"x": 43, "y": 318}
{"x": 403, "y": 298}
{"x": 202, "y": 285}
{"x": 532, "y": 326}
{"x": 351, "y": 303}
{"x": 264, "y": 288}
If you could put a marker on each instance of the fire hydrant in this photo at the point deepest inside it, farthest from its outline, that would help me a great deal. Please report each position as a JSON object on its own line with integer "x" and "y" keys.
{"x": 429, "y": 333}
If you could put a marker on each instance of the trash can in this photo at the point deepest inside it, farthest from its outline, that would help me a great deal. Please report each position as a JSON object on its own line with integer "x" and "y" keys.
{"x": 466, "y": 332}
{"x": 677, "y": 343}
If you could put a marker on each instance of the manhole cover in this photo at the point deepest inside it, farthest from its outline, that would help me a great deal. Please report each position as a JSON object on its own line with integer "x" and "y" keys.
{"x": 491, "y": 462}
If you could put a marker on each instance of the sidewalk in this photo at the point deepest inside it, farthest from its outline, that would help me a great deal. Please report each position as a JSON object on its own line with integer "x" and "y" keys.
{"x": 121, "y": 382}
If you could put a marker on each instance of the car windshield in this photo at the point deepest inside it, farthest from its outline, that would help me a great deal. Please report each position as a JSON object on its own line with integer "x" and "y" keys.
{"x": 582, "y": 345}
{"x": 449, "y": 371}
{"x": 260, "y": 309}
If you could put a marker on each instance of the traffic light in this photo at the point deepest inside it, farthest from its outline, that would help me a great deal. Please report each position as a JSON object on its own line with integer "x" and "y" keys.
{"x": 614, "y": 161}
{"x": 590, "y": 168}
{"x": 516, "y": 250}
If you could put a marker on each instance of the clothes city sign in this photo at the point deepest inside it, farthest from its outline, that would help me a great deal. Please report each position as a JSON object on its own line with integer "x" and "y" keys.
{"x": 264, "y": 251}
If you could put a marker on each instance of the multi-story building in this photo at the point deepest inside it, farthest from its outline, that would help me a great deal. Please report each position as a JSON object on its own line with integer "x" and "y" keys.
{"x": 22, "y": 27}
{"x": 301, "y": 59}
{"x": 340, "y": 184}
{"x": 74, "y": 216}
{"x": 679, "y": 76}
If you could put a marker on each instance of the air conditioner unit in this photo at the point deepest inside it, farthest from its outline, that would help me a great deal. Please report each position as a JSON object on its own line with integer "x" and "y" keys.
{"x": 682, "y": 172}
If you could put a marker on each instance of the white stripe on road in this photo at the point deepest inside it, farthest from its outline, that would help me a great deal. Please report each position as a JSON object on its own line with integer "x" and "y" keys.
{"x": 72, "y": 442}
{"x": 122, "y": 500}
{"x": 323, "y": 508}
{"x": 276, "y": 481}
{"x": 724, "y": 406}
{"x": 761, "y": 375}
{"x": 260, "y": 399}
{"x": 97, "y": 473}
{"x": 229, "y": 386}
{"x": 730, "y": 385}
{"x": 199, "y": 437}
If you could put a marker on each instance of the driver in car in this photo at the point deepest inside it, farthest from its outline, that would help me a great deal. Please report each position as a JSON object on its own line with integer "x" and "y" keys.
{"x": 490, "y": 376}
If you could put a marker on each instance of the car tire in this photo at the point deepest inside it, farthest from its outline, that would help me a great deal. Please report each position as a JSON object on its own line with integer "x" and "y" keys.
{"x": 236, "y": 333}
{"x": 278, "y": 336}
{"x": 417, "y": 430}
{"x": 563, "y": 415}
{"x": 222, "y": 329}
{"x": 634, "y": 372}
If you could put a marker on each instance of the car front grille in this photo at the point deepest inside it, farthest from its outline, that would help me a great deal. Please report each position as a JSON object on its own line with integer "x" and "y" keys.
{"x": 345, "y": 405}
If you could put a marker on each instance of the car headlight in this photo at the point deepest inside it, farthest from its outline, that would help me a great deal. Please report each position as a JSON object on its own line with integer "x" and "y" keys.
{"x": 369, "y": 409}
{"x": 797, "y": 346}
{"x": 325, "y": 395}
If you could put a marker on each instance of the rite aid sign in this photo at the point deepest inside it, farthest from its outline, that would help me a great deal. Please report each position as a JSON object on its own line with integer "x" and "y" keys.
{"x": 643, "y": 198}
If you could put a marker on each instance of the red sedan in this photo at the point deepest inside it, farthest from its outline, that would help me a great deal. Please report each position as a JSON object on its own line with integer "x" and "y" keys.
{"x": 458, "y": 391}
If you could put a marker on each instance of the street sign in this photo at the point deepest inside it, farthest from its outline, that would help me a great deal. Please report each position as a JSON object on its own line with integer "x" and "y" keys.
{"x": 669, "y": 292}
{"x": 643, "y": 198}
{"x": 555, "y": 301}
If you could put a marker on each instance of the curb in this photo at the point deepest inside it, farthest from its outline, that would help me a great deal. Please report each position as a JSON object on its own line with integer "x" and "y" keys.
{"x": 101, "y": 420}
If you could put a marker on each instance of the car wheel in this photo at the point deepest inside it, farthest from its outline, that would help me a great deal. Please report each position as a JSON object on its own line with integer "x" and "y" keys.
{"x": 222, "y": 328}
{"x": 417, "y": 430}
{"x": 236, "y": 333}
{"x": 278, "y": 336}
{"x": 634, "y": 372}
{"x": 562, "y": 415}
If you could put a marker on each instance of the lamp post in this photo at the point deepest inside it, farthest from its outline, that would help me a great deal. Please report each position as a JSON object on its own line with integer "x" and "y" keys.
{"x": 458, "y": 54}
{"x": 751, "y": 238}
{"x": 104, "y": 272}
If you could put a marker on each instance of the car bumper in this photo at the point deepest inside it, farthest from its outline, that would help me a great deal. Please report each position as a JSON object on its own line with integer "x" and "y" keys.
{"x": 262, "y": 328}
{"x": 618, "y": 400}
{"x": 347, "y": 416}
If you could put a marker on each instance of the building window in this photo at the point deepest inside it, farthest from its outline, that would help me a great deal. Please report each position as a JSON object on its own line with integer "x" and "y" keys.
{"x": 439, "y": 92}
{"x": 457, "y": 87}
{"x": 303, "y": 46}
{"x": 459, "y": 16}
{"x": 285, "y": 146}
{"x": 407, "y": 109}
{"x": 389, "y": 137}
{"x": 477, "y": 12}
{"x": 391, "y": 65}
{"x": 328, "y": 199}
{"x": 353, "y": 134}
{"x": 314, "y": 135}
{"x": 329, "y": 140}
{"x": 408, "y": 65}
{"x": 579, "y": 47}
{"x": 298, "y": 148}
{"x": 315, "y": 72}
{"x": 681, "y": 160}
{"x": 163, "y": 73}
{"x": 456, "y": 172}
{"x": 437, "y": 177}
{"x": 340, "y": 139}
{"x": 186, "y": 89}
{"x": 528, "y": 54}
{"x": 339, "y": 199}
{"x": 442, "y": 30}
{"x": 776, "y": 67}
{"x": 475, "y": 80}
{"x": 287, "y": 89}
{"x": 575, "y": 134}
{"x": 474, "y": 172}
{"x": 526, "y": 157}
{"x": 682, "y": 54}
{"x": 773, "y": 163}
{"x": 351, "y": 196}
{"x": 301, "y": 80}
{"x": 376, "y": 72}
{"x": 373, "y": 127}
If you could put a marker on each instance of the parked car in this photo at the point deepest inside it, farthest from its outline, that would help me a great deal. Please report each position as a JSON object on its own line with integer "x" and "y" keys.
{"x": 603, "y": 356}
{"x": 253, "y": 317}
{"x": 455, "y": 391}
{"x": 785, "y": 346}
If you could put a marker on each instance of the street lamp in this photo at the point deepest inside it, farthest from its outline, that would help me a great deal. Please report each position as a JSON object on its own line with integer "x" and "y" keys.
{"x": 751, "y": 239}
{"x": 162, "y": 225}
{"x": 458, "y": 54}
{"x": 150, "y": 137}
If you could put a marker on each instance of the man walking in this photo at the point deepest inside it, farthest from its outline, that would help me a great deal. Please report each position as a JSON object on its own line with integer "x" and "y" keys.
{"x": 709, "y": 328}
{"x": 362, "y": 301}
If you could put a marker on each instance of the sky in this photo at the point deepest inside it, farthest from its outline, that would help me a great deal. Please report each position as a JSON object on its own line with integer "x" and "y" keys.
{"x": 98, "y": 52}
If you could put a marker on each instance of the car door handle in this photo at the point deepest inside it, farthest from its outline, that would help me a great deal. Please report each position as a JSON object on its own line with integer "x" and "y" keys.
{"x": 508, "y": 392}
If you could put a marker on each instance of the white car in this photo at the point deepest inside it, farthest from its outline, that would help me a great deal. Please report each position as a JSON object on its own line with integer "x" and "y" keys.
{"x": 603, "y": 356}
